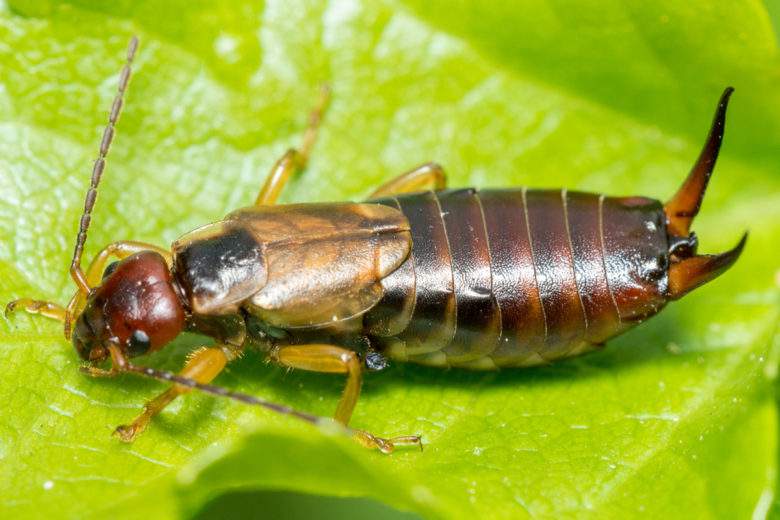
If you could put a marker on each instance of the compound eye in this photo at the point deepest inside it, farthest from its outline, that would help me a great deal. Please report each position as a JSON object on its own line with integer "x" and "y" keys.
{"x": 110, "y": 268}
{"x": 139, "y": 343}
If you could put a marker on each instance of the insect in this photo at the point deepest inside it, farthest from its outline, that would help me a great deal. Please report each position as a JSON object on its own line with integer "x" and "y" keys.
{"x": 419, "y": 273}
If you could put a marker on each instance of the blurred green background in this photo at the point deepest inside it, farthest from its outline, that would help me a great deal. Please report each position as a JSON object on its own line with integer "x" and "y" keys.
{"x": 677, "y": 418}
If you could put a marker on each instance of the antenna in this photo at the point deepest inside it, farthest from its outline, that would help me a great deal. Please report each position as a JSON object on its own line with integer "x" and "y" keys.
{"x": 164, "y": 375}
{"x": 97, "y": 171}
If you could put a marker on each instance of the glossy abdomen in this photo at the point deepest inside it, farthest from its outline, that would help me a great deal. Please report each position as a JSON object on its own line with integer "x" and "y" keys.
{"x": 519, "y": 277}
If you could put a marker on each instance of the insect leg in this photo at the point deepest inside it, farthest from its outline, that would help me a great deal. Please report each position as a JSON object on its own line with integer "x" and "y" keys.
{"x": 94, "y": 273}
{"x": 429, "y": 176}
{"x": 203, "y": 366}
{"x": 337, "y": 360}
{"x": 46, "y": 309}
{"x": 120, "y": 365}
{"x": 370, "y": 441}
{"x": 293, "y": 160}
{"x": 120, "y": 250}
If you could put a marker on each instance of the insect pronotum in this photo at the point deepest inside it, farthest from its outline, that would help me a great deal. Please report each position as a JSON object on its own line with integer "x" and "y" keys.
{"x": 419, "y": 273}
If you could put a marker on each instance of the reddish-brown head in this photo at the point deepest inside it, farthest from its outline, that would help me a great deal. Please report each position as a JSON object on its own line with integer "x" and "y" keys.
{"x": 136, "y": 307}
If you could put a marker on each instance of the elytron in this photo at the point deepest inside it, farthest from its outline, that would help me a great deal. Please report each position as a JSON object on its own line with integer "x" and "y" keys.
{"x": 476, "y": 279}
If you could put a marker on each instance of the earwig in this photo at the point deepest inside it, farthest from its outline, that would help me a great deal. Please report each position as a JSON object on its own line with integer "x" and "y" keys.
{"x": 475, "y": 279}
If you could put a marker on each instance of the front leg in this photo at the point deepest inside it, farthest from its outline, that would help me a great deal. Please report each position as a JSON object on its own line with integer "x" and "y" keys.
{"x": 43, "y": 308}
{"x": 94, "y": 275}
{"x": 337, "y": 360}
{"x": 203, "y": 366}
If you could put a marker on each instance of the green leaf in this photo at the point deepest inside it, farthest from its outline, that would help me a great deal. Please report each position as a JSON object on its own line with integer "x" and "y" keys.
{"x": 674, "y": 419}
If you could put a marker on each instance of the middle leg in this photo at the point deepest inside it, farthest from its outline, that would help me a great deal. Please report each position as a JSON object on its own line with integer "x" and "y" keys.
{"x": 293, "y": 160}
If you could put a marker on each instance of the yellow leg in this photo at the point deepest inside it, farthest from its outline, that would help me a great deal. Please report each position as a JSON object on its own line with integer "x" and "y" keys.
{"x": 429, "y": 176}
{"x": 330, "y": 359}
{"x": 94, "y": 275}
{"x": 119, "y": 250}
{"x": 46, "y": 309}
{"x": 293, "y": 160}
{"x": 370, "y": 441}
{"x": 203, "y": 366}
{"x": 336, "y": 360}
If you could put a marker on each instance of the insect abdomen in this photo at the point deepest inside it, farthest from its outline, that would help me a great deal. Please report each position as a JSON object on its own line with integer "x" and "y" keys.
{"x": 518, "y": 278}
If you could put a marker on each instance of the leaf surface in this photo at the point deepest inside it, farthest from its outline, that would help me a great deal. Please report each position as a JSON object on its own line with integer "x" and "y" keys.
{"x": 674, "y": 419}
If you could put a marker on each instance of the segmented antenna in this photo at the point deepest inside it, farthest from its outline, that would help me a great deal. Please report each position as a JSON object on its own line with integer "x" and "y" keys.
{"x": 164, "y": 375}
{"x": 97, "y": 170}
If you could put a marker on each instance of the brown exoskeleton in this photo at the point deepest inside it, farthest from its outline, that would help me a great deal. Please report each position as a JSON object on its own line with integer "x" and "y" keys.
{"x": 464, "y": 278}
